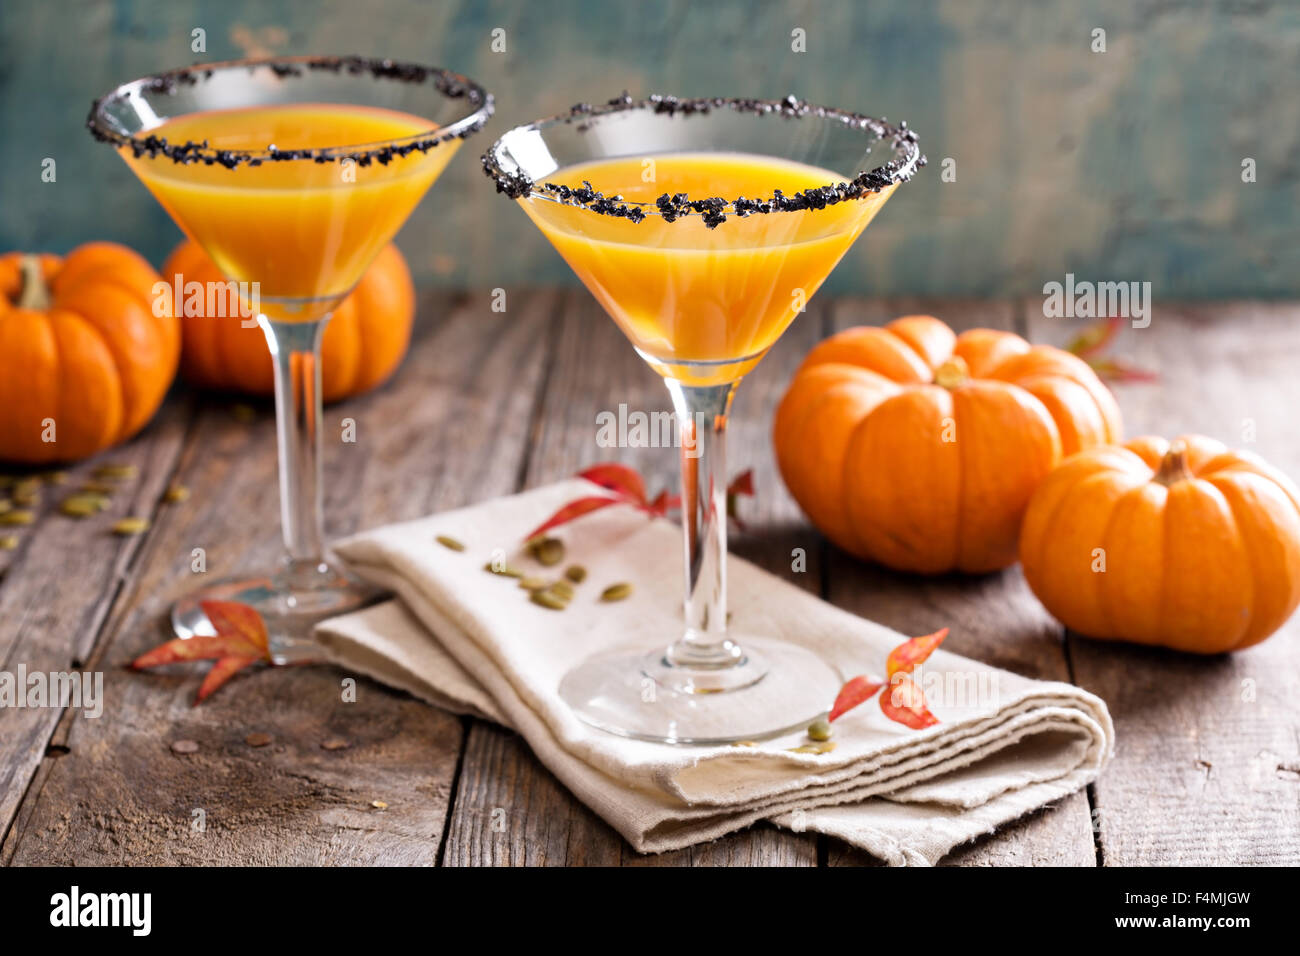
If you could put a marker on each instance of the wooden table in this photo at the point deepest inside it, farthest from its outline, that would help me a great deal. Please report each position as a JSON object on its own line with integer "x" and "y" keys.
{"x": 1208, "y": 762}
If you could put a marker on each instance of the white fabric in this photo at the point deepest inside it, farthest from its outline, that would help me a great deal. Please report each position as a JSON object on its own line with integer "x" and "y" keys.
{"x": 470, "y": 641}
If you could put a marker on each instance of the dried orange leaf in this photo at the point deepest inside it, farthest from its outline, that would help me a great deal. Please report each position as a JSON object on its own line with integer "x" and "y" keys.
{"x": 904, "y": 658}
{"x": 853, "y": 693}
{"x": 240, "y": 640}
{"x": 903, "y": 701}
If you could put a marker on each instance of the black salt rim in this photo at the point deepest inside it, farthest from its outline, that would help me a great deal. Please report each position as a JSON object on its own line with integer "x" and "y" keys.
{"x": 449, "y": 84}
{"x": 714, "y": 209}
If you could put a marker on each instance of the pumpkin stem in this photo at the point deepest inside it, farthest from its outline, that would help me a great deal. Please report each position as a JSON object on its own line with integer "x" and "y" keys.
{"x": 953, "y": 373}
{"x": 35, "y": 294}
{"x": 1173, "y": 467}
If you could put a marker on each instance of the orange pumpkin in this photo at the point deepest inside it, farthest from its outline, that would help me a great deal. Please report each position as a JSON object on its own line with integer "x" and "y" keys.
{"x": 918, "y": 448}
{"x": 363, "y": 344}
{"x": 1189, "y": 545}
{"x": 88, "y": 349}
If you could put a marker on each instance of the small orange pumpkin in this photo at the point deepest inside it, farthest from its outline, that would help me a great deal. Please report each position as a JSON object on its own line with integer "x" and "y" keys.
{"x": 88, "y": 348}
{"x": 363, "y": 344}
{"x": 918, "y": 448}
{"x": 1187, "y": 545}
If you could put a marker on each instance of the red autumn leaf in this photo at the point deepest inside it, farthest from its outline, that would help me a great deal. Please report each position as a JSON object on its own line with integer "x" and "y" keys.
{"x": 903, "y": 701}
{"x": 240, "y": 641}
{"x": 743, "y": 484}
{"x": 574, "y": 509}
{"x": 904, "y": 658}
{"x": 664, "y": 503}
{"x": 1118, "y": 370}
{"x": 224, "y": 669}
{"x": 617, "y": 478}
{"x": 1094, "y": 337}
{"x": 856, "y": 691}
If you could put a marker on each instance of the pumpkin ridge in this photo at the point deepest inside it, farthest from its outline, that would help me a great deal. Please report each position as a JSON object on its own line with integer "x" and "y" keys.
{"x": 1103, "y": 597}
{"x": 1234, "y": 503}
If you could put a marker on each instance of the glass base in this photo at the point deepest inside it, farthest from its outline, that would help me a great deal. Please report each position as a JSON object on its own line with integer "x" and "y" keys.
{"x": 774, "y": 688}
{"x": 290, "y": 603}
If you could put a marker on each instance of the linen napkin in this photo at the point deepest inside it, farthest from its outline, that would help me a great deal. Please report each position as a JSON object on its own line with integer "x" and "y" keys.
{"x": 472, "y": 642}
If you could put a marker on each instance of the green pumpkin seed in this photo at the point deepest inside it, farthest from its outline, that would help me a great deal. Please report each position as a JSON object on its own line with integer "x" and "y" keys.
{"x": 98, "y": 488}
{"x": 616, "y": 592}
{"x": 820, "y": 730}
{"x": 129, "y": 526}
{"x": 12, "y": 518}
{"x": 81, "y": 506}
{"x": 564, "y": 589}
{"x": 449, "y": 542}
{"x": 27, "y": 492}
{"x": 504, "y": 570}
{"x": 8, "y": 542}
{"x": 576, "y": 573}
{"x": 244, "y": 414}
{"x": 55, "y": 477}
{"x": 548, "y": 551}
{"x": 821, "y": 748}
{"x": 548, "y": 600}
{"x": 176, "y": 493}
{"x": 113, "y": 472}
{"x": 5, "y": 505}
{"x": 533, "y": 584}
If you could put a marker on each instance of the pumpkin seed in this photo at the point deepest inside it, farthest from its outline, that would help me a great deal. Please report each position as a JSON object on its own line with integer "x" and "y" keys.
{"x": 564, "y": 589}
{"x": 744, "y": 743}
{"x": 129, "y": 526}
{"x": 98, "y": 488}
{"x": 26, "y": 492}
{"x": 5, "y": 505}
{"x": 12, "y": 518}
{"x": 244, "y": 414}
{"x": 533, "y": 584}
{"x": 379, "y": 804}
{"x": 505, "y": 570}
{"x": 821, "y": 748}
{"x": 449, "y": 542}
{"x": 176, "y": 493}
{"x": 82, "y": 506}
{"x": 113, "y": 472}
{"x": 616, "y": 592}
{"x": 548, "y": 551}
{"x": 8, "y": 542}
{"x": 548, "y": 600}
{"x": 576, "y": 573}
{"x": 819, "y": 730}
{"x": 55, "y": 477}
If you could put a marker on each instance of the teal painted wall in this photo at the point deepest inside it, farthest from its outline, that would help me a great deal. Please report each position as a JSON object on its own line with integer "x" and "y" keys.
{"x": 1117, "y": 165}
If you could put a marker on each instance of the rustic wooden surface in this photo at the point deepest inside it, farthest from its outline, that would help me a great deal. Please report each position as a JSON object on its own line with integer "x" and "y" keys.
{"x": 1208, "y": 761}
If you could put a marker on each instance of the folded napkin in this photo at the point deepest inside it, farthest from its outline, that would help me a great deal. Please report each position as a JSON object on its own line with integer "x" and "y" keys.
{"x": 471, "y": 641}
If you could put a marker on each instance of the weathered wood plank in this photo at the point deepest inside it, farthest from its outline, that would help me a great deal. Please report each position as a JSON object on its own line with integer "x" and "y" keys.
{"x": 119, "y": 795}
{"x": 62, "y": 581}
{"x": 1208, "y": 748}
{"x": 596, "y": 370}
{"x": 993, "y": 618}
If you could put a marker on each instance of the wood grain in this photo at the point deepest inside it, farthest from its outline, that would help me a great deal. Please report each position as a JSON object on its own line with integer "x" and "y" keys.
{"x": 1208, "y": 750}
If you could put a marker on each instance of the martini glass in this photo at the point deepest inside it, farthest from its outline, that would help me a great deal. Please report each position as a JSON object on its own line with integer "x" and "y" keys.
{"x": 292, "y": 173}
{"x": 703, "y": 227}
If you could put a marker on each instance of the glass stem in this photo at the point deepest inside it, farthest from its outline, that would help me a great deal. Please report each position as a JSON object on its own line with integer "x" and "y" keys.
{"x": 295, "y": 350}
{"x": 702, "y": 420}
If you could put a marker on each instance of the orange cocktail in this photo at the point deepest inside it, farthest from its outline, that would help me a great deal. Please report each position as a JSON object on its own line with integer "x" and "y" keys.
{"x": 305, "y": 231}
{"x": 702, "y": 305}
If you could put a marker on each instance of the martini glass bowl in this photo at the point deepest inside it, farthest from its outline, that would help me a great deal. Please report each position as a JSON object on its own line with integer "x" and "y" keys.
{"x": 703, "y": 227}
{"x": 292, "y": 174}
